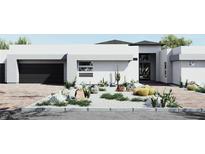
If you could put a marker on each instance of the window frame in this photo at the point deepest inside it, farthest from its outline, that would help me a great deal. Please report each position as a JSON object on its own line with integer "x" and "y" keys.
{"x": 87, "y": 71}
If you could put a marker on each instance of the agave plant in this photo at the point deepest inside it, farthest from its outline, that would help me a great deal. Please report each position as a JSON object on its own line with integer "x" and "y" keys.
{"x": 167, "y": 99}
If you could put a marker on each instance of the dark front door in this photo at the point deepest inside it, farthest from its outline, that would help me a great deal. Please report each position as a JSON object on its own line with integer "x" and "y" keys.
{"x": 41, "y": 73}
{"x": 2, "y": 73}
{"x": 144, "y": 71}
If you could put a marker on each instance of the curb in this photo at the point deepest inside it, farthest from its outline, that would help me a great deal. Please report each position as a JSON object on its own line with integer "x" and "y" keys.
{"x": 107, "y": 109}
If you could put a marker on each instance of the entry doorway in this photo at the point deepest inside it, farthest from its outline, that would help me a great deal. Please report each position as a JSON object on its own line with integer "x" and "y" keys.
{"x": 147, "y": 66}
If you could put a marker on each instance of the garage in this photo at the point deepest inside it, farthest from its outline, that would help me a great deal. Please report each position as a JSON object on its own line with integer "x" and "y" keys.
{"x": 47, "y": 73}
{"x": 2, "y": 73}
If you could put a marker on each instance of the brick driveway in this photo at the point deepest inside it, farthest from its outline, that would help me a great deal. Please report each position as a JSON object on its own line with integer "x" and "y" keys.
{"x": 19, "y": 95}
{"x": 184, "y": 97}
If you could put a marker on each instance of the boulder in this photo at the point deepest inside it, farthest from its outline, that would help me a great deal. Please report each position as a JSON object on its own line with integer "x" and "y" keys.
{"x": 138, "y": 85}
{"x": 72, "y": 93}
{"x": 65, "y": 92}
{"x": 57, "y": 98}
{"x": 149, "y": 104}
{"x": 79, "y": 94}
{"x": 78, "y": 86}
{"x": 94, "y": 89}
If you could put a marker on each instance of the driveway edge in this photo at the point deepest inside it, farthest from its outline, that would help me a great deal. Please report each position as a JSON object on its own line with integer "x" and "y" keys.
{"x": 107, "y": 109}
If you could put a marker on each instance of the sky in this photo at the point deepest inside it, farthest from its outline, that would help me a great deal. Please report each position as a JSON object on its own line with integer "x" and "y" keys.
{"x": 198, "y": 39}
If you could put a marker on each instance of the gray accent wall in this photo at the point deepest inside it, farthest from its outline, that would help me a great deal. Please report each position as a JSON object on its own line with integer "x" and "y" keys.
{"x": 156, "y": 50}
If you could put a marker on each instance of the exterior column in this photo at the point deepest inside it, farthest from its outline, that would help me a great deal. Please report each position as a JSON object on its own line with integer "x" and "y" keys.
{"x": 71, "y": 68}
{"x": 157, "y": 67}
{"x": 12, "y": 72}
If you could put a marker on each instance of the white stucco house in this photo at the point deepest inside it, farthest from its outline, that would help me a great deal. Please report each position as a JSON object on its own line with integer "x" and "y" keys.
{"x": 139, "y": 61}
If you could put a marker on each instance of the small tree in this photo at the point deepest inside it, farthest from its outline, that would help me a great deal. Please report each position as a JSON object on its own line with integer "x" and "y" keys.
{"x": 22, "y": 40}
{"x": 4, "y": 45}
{"x": 172, "y": 41}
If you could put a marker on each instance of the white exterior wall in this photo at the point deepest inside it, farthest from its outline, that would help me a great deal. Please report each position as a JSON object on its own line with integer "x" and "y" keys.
{"x": 110, "y": 54}
{"x": 193, "y": 73}
{"x": 176, "y": 51}
{"x": 176, "y": 72}
{"x": 106, "y": 69}
{"x": 156, "y": 50}
{"x": 192, "y": 50}
{"x": 182, "y": 70}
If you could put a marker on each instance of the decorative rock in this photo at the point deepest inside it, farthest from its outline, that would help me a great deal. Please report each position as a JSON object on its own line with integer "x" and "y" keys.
{"x": 65, "y": 92}
{"x": 78, "y": 86}
{"x": 79, "y": 94}
{"x": 149, "y": 104}
{"x": 72, "y": 93}
{"x": 58, "y": 97}
{"x": 94, "y": 89}
{"x": 137, "y": 85}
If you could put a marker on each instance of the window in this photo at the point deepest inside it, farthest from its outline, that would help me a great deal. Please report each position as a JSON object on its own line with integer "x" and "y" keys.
{"x": 85, "y": 68}
{"x": 165, "y": 65}
{"x": 165, "y": 69}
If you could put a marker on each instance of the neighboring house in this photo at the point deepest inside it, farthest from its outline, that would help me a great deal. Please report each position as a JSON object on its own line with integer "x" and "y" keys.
{"x": 55, "y": 64}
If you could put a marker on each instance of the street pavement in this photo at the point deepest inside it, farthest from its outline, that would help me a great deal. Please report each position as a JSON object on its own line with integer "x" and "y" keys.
{"x": 119, "y": 115}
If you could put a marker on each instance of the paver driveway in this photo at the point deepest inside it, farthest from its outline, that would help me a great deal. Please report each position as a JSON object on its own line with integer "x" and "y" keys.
{"x": 20, "y": 95}
{"x": 184, "y": 97}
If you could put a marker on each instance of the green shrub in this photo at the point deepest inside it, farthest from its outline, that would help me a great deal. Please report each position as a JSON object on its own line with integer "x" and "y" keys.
{"x": 173, "y": 104}
{"x": 168, "y": 99}
{"x": 138, "y": 99}
{"x": 122, "y": 98}
{"x": 116, "y": 96}
{"x": 68, "y": 85}
{"x": 181, "y": 84}
{"x": 86, "y": 92}
{"x": 192, "y": 87}
{"x": 125, "y": 84}
{"x": 107, "y": 96}
{"x": 186, "y": 84}
{"x": 102, "y": 89}
{"x": 47, "y": 103}
{"x": 154, "y": 101}
{"x": 103, "y": 83}
{"x": 44, "y": 103}
{"x": 60, "y": 104}
{"x": 79, "y": 102}
{"x": 200, "y": 89}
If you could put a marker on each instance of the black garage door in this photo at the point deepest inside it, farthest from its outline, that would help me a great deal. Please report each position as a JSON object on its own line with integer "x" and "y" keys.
{"x": 2, "y": 73}
{"x": 41, "y": 73}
